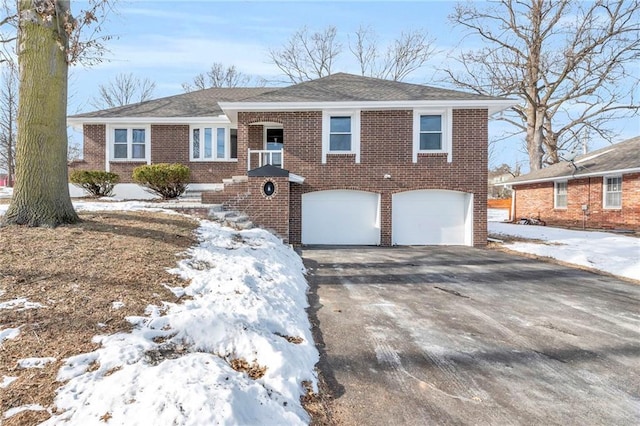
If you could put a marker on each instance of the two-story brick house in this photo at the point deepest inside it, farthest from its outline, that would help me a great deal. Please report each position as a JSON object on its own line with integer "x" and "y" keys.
{"x": 354, "y": 160}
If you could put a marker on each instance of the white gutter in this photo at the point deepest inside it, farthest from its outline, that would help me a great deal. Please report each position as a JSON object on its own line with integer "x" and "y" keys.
{"x": 567, "y": 177}
{"x": 492, "y": 105}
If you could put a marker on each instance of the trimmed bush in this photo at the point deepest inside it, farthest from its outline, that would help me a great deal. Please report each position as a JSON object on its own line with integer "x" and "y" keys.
{"x": 98, "y": 183}
{"x": 166, "y": 180}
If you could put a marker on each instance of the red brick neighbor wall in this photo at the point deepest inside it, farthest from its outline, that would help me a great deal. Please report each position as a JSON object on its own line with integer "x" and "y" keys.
{"x": 386, "y": 148}
{"x": 535, "y": 200}
{"x": 169, "y": 144}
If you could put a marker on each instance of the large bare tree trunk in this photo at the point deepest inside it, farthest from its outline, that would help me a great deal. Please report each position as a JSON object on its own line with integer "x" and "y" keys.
{"x": 41, "y": 193}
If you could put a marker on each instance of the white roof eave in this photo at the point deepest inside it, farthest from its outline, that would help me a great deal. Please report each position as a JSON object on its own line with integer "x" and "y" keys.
{"x": 78, "y": 121}
{"x": 574, "y": 176}
{"x": 493, "y": 106}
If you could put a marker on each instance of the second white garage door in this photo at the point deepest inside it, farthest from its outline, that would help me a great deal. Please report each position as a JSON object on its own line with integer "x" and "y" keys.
{"x": 432, "y": 217}
{"x": 341, "y": 217}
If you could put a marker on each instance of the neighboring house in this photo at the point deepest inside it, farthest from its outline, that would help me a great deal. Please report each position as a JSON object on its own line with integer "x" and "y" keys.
{"x": 600, "y": 189}
{"x": 339, "y": 160}
{"x": 495, "y": 189}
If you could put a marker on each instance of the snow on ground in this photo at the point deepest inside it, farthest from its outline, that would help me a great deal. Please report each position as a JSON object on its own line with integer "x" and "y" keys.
{"x": 7, "y": 380}
{"x": 604, "y": 251}
{"x": 245, "y": 308}
{"x": 35, "y": 362}
{"x": 9, "y": 333}
{"x": 20, "y": 304}
{"x": 28, "y": 407}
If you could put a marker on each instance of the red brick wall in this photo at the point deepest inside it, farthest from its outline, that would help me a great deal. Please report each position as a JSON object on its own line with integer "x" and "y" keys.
{"x": 386, "y": 148}
{"x": 535, "y": 200}
{"x": 169, "y": 144}
{"x": 268, "y": 212}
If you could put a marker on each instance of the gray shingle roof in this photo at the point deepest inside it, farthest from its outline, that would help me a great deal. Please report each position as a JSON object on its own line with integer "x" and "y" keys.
{"x": 342, "y": 87}
{"x": 201, "y": 103}
{"x": 621, "y": 156}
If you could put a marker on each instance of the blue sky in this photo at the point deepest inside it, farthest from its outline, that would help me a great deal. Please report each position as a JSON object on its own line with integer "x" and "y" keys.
{"x": 172, "y": 41}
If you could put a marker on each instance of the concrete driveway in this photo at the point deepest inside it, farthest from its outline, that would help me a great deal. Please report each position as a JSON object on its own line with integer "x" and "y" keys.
{"x": 456, "y": 335}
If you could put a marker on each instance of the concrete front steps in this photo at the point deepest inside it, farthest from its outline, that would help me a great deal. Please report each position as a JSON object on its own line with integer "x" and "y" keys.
{"x": 233, "y": 189}
{"x": 230, "y": 218}
{"x": 227, "y": 200}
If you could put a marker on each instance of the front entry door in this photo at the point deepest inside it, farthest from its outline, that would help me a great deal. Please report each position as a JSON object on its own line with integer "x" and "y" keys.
{"x": 273, "y": 141}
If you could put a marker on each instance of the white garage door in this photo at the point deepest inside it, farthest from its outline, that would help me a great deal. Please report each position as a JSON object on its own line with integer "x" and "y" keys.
{"x": 432, "y": 217}
{"x": 341, "y": 217}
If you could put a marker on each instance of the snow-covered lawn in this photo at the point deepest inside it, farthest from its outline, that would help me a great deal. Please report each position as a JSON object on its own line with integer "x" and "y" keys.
{"x": 613, "y": 253}
{"x": 237, "y": 349}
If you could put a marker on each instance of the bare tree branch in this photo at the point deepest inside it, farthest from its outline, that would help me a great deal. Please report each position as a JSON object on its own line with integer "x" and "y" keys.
{"x": 568, "y": 61}
{"x": 221, "y": 76}
{"x": 306, "y": 55}
{"x": 125, "y": 89}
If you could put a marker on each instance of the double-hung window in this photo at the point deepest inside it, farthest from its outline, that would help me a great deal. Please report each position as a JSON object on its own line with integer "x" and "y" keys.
{"x": 560, "y": 195}
{"x": 341, "y": 133}
{"x": 612, "y": 186}
{"x": 431, "y": 132}
{"x": 130, "y": 143}
{"x": 213, "y": 143}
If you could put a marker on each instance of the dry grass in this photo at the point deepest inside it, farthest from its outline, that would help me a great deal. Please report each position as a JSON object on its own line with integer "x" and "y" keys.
{"x": 77, "y": 272}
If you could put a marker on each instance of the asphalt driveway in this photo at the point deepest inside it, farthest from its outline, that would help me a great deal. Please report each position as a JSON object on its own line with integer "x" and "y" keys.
{"x": 456, "y": 335}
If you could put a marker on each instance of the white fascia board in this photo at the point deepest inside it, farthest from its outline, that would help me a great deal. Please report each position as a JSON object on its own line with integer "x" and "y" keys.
{"x": 78, "y": 122}
{"x": 295, "y": 178}
{"x": 492, "y": 105}
{"x": 569, "y": 177}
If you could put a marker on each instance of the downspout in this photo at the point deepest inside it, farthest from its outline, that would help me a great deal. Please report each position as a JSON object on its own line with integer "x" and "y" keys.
{"x": 512, "y": 212}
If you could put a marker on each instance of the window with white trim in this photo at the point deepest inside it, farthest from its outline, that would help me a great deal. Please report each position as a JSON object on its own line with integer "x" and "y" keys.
{"x": 129, "y": 143}
{"x": 560, "y": 195}
{"x": 340, "y": 133}
{"x": 212, "y": 143}
{"x": 432, "y": 132}
{"x": 612, "y": 189}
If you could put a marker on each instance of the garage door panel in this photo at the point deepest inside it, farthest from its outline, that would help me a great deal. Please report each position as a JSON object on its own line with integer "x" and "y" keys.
{"x": 341, "y": 217}
{"x": 431, "y": 217}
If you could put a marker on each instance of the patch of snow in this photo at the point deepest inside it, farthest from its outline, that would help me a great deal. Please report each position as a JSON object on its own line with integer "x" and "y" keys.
{"x": 6, "y": 381}
{"x": 28, "y": 407}
{"x": 9, "y": 333}
{"x": 117, "y": 305}
{"x": 604, "y": 251}
{"x": 497, "y": 215}
{"x": 247, "y": 293}
{"x": 101, "y": 325}
{"x": 35, "y": 362}
{"x": 20, "y": 304}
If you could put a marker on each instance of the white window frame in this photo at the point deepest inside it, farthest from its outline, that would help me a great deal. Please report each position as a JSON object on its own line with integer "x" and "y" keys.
{"x": 447, "y": 132}
{"x": 556, "y": 186}
{"x": 605, "y": 192}
{"x": 214, "y": 143}
{"x": 129, "y": 128}
{"x": 355, "y": 133}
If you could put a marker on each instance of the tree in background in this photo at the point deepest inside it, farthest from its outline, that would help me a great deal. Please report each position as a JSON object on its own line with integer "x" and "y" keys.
{"x": 571, "y": 63}
{"x": 306, "y": 55}
{"x": 408, "y": 53}
{"x": 8, "y": 114}
{"x": 124, "y": 89}
{"x": 221, "y": 76}
{"x": 49, "y": 39}
{"x": 309, "y": 55}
